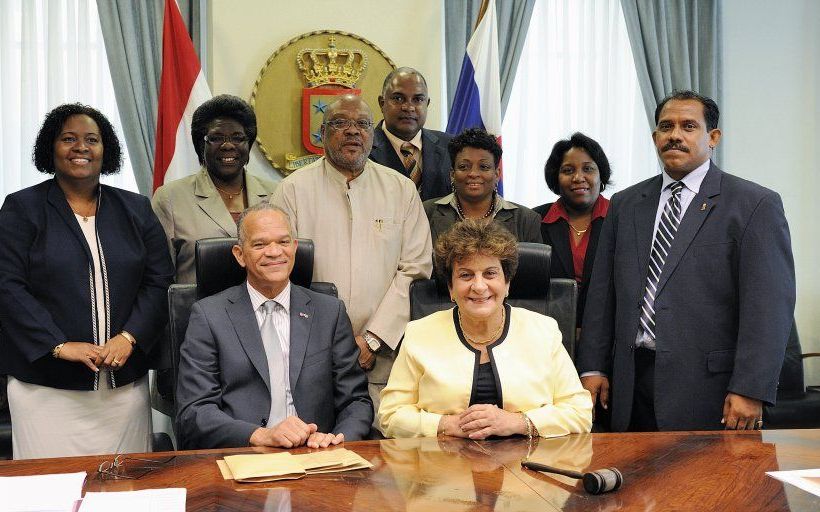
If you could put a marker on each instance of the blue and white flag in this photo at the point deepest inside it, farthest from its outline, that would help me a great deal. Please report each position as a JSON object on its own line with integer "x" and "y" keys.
{"x": 477, "y": 101}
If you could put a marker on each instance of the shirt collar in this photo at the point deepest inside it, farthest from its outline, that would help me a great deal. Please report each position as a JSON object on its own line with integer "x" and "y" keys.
{"x": 692, "y": 180}
{"x": 558, "y": 211}
{"x": 257, "y": 298}
{"x": 396, "y": 142}
{"x": 500, "y": 203}
{"x": 336, "y": 175}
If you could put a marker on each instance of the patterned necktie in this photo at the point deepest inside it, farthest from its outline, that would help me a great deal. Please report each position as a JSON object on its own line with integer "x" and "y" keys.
{"x": 667, "y": 227}
{"x": 408, "y": 152}
{"x": 276, "y": 365}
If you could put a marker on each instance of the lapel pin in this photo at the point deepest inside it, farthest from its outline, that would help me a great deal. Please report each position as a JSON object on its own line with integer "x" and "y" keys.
{"x": 703, "y": 207}
{"x": 304, "y": 315}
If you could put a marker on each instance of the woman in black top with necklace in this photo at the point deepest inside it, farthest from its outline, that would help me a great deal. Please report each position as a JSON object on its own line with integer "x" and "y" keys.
{"x": 578, "y": 171}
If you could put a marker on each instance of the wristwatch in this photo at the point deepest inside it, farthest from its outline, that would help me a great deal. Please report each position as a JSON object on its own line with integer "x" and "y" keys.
{"x": 374, "y": 344}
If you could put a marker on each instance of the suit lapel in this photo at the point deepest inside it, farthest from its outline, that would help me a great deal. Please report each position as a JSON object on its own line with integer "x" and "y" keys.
{"x": 209, "y": 201}
{"x": 645, "y": 210}
{"x": 242, "y": 316}
{"x": 56, "y": 198}
{"x": 696, "y": 214}
{"x": 443, "y": 217}
{"x": 559, "y": 236}
{"x": 256, "y": 192}
{"x": 383, "y": 151}
{"x": 301, "y": 319}
{"x": 589, "y": 258}
{"x": 432, "y": 156}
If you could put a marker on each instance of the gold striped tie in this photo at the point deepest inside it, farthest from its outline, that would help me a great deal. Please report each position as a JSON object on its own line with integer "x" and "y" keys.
{"x": 411, "y": 165}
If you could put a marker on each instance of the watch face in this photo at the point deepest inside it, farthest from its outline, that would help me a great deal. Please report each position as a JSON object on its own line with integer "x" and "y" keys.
{"x": 373, "y": 344}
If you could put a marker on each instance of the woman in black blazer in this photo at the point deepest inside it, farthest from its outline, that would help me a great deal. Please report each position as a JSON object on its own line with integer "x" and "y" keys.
{"x": 578, "y": 171}
{"x": 84, "y": 273}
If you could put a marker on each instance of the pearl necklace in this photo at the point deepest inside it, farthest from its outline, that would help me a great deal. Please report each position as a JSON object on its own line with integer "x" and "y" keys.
{"x": 489, "y": 212}
{"x": 492, "y": 338}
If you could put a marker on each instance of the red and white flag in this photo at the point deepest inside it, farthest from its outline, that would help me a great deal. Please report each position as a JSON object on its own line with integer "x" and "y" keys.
{"x": 182, "y": 89}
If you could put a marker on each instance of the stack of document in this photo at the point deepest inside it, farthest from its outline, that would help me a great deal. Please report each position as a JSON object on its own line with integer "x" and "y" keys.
{"x": 806, "y": 479}
{"x": 267, "y": 467}
{"x": 58, "y": 492}
{"x": 155, "y": 500}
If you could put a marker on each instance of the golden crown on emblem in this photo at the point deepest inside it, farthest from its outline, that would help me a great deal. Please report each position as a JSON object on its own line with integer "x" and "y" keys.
{"x": 325, "y": 66}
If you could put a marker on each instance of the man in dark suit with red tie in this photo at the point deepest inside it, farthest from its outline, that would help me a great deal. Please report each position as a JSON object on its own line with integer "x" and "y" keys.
{"x": 692, "y": 295}
{"x": 402, "y": 143}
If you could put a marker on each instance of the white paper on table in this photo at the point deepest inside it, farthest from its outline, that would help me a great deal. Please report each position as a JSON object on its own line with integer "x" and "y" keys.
{"x": 806, "y": 479}
{"x": 147, "y": 500}
{"x": 41, "y": 492}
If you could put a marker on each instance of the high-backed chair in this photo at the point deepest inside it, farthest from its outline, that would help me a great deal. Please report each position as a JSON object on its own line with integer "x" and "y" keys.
{"x": 217, "y": 270}
{"x": 798, "y": 406}
{"x": 531, "y": 288}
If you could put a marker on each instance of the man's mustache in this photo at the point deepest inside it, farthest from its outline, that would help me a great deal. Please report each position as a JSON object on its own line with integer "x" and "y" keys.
{"x": 673, "y": 145}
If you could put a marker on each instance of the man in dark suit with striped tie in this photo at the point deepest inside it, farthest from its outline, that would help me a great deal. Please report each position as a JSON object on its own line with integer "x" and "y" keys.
{"x": 401, "y": 141}
{"x": 692, "y": 296}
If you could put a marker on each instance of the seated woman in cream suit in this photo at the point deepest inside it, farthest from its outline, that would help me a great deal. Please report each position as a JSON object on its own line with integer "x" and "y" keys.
{"x": 483, "y": 368}
{"x": 207, "y": 204}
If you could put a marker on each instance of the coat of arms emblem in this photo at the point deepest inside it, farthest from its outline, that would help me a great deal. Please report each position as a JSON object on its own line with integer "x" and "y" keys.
{"x": 300, "y": 80}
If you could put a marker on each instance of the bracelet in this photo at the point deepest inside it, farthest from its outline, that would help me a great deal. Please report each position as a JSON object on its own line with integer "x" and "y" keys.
{"x": 528, "y": 425}
{"x": 127, "y": 335}
{"x": 55, "y": 352}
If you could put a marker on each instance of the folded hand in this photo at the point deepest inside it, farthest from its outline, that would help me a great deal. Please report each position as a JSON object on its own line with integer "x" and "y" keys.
{"x": 81, "y": 352}
{"x": 481, "y": 421}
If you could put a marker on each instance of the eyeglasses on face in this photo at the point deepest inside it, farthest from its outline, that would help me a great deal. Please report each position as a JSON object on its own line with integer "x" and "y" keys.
{"x": 220, "y": 140}
{"x": 344, "y": 124}
{"x": 129, "y": 468}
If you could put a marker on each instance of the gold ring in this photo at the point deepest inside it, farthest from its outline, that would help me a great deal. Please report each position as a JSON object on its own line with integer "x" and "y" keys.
{"x": 759, "y": 423}
{"x": 115, "y": 362}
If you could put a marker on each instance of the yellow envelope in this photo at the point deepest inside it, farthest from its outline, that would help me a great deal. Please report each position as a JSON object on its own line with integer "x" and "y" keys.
{"x": 267, "y": 467}
{"x": 331, "y": 461}
{"x": 264, "y": 467}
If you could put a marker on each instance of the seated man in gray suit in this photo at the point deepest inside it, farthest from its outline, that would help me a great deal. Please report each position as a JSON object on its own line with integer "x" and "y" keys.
{"x": 402, "y": 143}
{"x": 269, "y": 363}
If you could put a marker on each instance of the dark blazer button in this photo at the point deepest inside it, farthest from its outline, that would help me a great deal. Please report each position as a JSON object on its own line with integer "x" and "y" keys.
{"x": 264, "y": 422}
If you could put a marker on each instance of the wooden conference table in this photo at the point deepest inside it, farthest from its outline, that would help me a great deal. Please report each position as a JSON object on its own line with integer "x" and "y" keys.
{"x": 662, "y": 471}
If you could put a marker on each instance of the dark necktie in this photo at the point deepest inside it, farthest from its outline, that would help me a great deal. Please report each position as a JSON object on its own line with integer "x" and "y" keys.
{"x": 411, "y": 165}
{"x": 667, "y": 227}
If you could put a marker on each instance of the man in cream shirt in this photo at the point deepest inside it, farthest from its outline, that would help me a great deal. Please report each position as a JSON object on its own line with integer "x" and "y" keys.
{"x": 370, "y": 232}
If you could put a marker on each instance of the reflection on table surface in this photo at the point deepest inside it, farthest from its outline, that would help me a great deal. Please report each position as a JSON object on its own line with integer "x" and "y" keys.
{"x": 662, "y": 471}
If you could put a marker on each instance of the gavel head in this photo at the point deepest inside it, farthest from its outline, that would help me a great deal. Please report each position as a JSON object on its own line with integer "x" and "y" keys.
{"x": 603, "y": 480}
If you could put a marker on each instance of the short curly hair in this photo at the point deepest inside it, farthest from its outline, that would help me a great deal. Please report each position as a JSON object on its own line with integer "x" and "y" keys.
{"x": 222, "y": 106}
{"x": 472, "y": 237}
{"x": 580, "y": 141}
{"x": 474, "y": 138}
{"x": 43, "y": 153}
